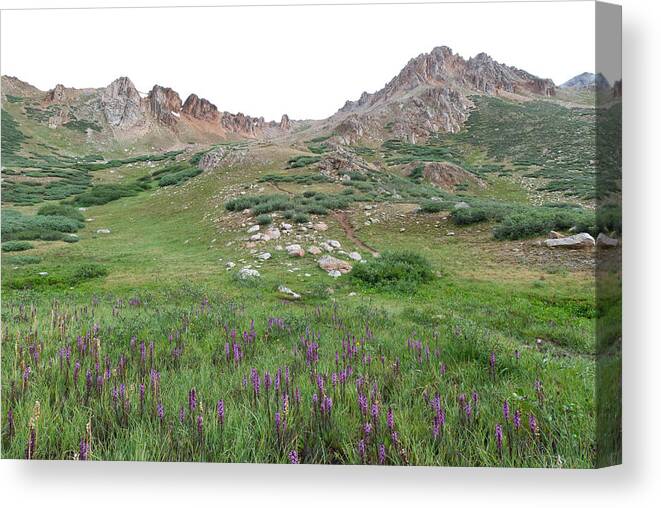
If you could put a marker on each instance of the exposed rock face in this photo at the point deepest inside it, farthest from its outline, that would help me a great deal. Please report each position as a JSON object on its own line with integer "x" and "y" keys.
{"x": 587, "y": 81}
{"x": 201, "y": 109}
{"x": 242, "y": 124}
{"x": 579, "y": 241}
{"x": 57, "y": 94}
{"x": 285, "y": 123}
{"x": 212, "y": 160}
{"x": 120, "y": 102}
{"x": 445, "y": 174}
{"x": 164, "y": 104}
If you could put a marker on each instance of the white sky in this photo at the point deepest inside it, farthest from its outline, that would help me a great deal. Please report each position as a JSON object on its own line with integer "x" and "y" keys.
{"x": 304, "y": 61}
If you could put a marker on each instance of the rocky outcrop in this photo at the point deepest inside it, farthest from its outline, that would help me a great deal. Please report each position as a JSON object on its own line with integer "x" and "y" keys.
{"x": 212, "y": 160}
{"x": 444, "y": 174}
{"x": 242, "y": 124}
{"x": 164, "y": 104}
{"x": 336, "y": 164}
{"x": 56, "y": 95}
{"x": 120, "y": 102}
{"x": 200, "y": 109}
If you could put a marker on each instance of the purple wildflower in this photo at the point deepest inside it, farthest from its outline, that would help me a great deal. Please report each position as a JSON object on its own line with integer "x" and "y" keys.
{"x": 293, "y": 457}
{"x": 390, "y": 420}
{"x": 220, "y": 411}
{"x": 160, "y": 411}
{"x": 182, "y": 413}
{"x": 382, "y": 453}
{"x": 199, "y": 424}
{"x": 517, "y": 419}
{"x": 192, "y": 400}
{"x": 361, "y": 450}
{"x": 84, "y": 450}
{"x": 499, "y": 437}
{"x": 506, "y": 410}
{"x": 532, "y": 423}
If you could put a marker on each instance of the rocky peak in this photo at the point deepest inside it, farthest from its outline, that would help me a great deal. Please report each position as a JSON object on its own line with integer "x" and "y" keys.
{"x": 587, "y": 80}
{"x": 121, "y": 105}
{"x": 285, "y": 123}
{"x": 165, "y": 104}
{"x": 200, "y": 109}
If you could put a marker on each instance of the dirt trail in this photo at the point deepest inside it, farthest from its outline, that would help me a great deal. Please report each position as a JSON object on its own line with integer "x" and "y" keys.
{"x": 281, "y": 189}
{"x": 345, "y": 223}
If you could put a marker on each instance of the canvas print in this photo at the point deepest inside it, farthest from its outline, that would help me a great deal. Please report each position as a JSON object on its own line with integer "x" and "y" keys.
{"x": 354, "y": 235}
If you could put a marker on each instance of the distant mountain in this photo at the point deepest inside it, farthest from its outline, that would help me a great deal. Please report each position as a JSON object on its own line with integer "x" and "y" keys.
{"x": 587, "y": 80}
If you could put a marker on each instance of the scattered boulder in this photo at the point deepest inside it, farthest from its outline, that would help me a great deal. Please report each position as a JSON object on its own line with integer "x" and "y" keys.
{"x": 256, "y": 237}
{"x": 606, "y": 241}
{"x": 579, "y": 241}
{"x": 103, "y": 231}
{"x": 334, "y": 243}
{"x": 335, "y": 273}
{"x": 264, "y": 256}
{"x": 330, "y": 264}
{"x": 248, "y": 273}
{"x": 314, "y": 250}
{"x": 271, "y": 234}
{"x": 295, "y": 250}
{"x": 320, "y": 226}
{"x": 230, "y": 265}
{"x": 555, "y": 235}
{"x": 355, "y": 256}
{"x": 253, "y": 229}
{"x": 288, "y": 292}
{"x": 286, "y": 227}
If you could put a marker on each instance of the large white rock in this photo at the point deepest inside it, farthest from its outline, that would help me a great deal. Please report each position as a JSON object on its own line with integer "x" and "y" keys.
{"x": 271, "y": 234}
{"x": 264, "y": 256}
{"x": 320, "y": 226}
{"x": 253, "y": 229}
{"x": 314, "y": 250}
{"x": 295, "y": 250}
{"x": 334, "y": 243}
{"x": 355, "y": 256}
{"x": 579, "y": 241}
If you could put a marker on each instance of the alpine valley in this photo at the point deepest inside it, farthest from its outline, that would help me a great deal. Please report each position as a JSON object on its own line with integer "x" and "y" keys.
{"x": 408, "y": 281}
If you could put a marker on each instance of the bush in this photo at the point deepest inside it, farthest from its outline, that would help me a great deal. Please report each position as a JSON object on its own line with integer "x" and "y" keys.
{"x": 71, "y": 238}
{"x": 301, "y": 218}
{"x": 264, "y": 219}
{"x": 105, "y": 193}
{"x": 16, "y": 226}
{"x": 542, "y": 220}
{"x": 394, "y": 270}
{"x": 431, "y": 207}
{"x": 23, "y": 260}
{"x": 62, "y": 211}
{"x": 16, "y": 246}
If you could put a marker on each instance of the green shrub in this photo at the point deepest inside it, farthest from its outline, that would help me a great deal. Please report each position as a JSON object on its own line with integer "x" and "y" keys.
{"x": 71, "y": 238}
{"x": 61, "y": 211}
{"x": 23, "y": 260}
{"x": 534, "y": 222}
{"x": 301, "y": 218}
{"x": 105, "y": 193}
{"x": 431, "y": 207}
{"x": 403, "y": 270}
{"x": 264, "y": 219}
{"x": 16, "y": 246}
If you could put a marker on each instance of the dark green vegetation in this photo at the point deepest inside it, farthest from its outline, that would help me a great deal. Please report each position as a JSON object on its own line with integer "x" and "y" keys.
{"x": 316, "y": 203}
{"x": 16, "y": 246}
{"x": 18, "y": 226}
{"x": 395, "y": 271}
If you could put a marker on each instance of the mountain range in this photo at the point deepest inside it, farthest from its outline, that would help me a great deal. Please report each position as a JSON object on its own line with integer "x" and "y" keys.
{"x": 432, "y": 93}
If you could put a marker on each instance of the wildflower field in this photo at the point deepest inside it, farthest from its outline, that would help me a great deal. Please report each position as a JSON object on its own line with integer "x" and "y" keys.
{"x": 193, "y": 376}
